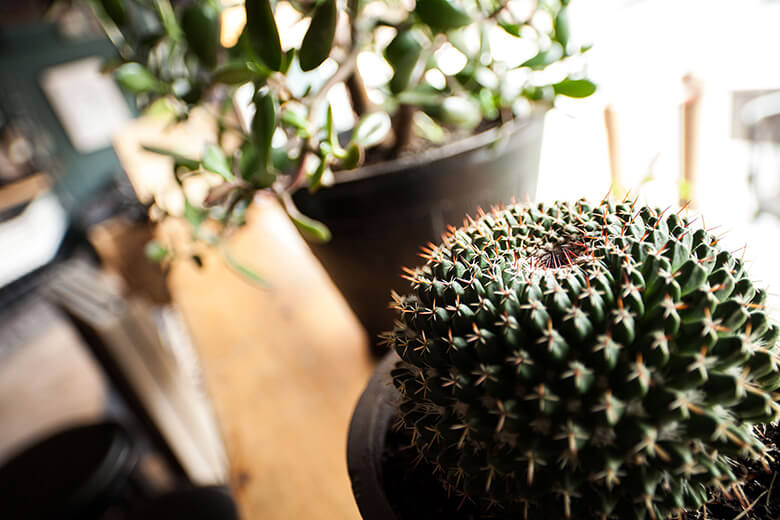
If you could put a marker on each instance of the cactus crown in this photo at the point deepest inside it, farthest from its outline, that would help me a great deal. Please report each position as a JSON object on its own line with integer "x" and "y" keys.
{"x": 584, "y": 361}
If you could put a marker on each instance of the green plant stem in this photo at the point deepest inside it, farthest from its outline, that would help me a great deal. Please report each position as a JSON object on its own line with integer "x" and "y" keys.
{"x": 346, "y": 68}
{"x": 114, "y": 34}
{"x": 300, "y": 173}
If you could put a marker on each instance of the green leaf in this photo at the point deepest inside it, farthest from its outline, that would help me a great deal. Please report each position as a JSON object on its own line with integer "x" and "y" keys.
{"x": 428, "y": 128}
{"x": 136, "y": 78}
{"x": 263, "y": 33}
{"x": 456, "y": 111}
{"x": 316, "y": 177}
{"x": 201, "y": 24}
{"x": 252, "y": 170}
{"x": 371, "y": 129}
{"x": 545, "y": 57}
{"x": 488, "y": 104}
{"x": 296, "y": 119}
{"x": 264, "y": 124}
{"x": 561, "y": 24}
{"x": 402, "y": 53}
{"x": 168, "y": 18}
{"x": 419, "y": 97}
{"x": 441, "y": 15}
{"x": 161, "y": 107}
{"x": 178, "y": 160}
{"x": 534, "y": 93}
{"x": 318, "y": 40}
{"x": 331, "y": 132}
{"x": 333, "y": 139}
{"x": 281, "y": 161}
{"x": 576, "y": 88}
{"x": 353, "y": 157}
{"x": 243, "y": 270}
{"x": 155, "y": 252}
{"x": 511, "y": 28}
{"x": 259, "y": 69}
{"x": 287, "y": 59}
{"x": 312, "y": 229}
{"x": 215, "y": 161}
{"x": 116, "y": 10}
{"x": 236, "y": 73}
{"x": 194, "y": 215}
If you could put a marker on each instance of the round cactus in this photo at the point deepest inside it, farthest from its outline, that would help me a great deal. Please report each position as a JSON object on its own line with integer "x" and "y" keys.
{"x": 584, "y": 361}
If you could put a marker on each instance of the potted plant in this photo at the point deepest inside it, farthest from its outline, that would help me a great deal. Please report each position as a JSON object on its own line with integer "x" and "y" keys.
{"x": 449, "y": 117}
{"x": 573, "y": 361}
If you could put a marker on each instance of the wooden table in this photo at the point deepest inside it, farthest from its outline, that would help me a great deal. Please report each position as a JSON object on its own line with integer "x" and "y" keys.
{"x": 284, "y": 367}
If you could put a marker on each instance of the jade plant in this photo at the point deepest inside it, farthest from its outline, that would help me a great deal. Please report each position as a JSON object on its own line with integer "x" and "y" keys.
{"x": 441, "y": 69}
{"x": 584, "y": 361}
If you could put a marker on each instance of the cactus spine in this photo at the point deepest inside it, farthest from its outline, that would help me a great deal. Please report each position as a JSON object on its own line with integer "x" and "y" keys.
{"x": 584, "y": 361}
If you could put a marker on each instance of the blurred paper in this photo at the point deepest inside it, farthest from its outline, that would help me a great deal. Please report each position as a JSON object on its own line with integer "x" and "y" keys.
{"x": 87, "y": 102}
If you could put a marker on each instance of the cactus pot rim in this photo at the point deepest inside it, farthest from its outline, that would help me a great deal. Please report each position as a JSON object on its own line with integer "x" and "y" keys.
{"x": 366, "y": 441}
{"x": 366, "y": 438}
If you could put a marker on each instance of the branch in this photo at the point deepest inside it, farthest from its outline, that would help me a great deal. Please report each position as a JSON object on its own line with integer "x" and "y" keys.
{"x": 344, "y": 71}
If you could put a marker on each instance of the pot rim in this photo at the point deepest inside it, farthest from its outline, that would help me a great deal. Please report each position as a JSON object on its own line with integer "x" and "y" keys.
{"x": 468, "y": 144}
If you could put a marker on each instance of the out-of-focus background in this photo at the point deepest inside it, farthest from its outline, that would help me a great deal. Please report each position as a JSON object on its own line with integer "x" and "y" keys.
{"x": 204, "y": 380}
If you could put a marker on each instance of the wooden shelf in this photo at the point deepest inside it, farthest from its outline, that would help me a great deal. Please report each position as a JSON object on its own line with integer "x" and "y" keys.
{"x": 284, "y": 367}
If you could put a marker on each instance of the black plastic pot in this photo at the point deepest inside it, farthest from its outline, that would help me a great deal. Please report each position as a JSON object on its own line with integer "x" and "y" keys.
{"x": 381, "y": 214}
{"x": 366, "y": 442}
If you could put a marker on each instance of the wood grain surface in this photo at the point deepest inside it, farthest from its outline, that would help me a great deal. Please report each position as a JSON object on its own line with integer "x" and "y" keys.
{"x": 284, "y": 366}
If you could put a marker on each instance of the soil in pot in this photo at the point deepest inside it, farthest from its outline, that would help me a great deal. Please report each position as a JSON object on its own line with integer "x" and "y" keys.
{"x": 413, "y": 491}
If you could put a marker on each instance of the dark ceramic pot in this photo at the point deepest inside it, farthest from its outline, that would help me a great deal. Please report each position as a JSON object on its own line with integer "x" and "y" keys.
{"x": 381, "y": 214}
{"x": 366, "y": 442}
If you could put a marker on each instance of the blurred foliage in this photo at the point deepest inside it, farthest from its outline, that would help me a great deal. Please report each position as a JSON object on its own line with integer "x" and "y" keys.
{"x": 173, "y": 51}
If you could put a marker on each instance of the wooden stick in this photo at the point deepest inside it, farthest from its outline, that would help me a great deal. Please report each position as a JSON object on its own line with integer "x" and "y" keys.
{"x": 689, "y": 136}
{"x": 613, "y": 149}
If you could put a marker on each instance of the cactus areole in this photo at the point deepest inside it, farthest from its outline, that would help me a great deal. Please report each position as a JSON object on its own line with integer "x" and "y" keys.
{"x": 584, "y": 361}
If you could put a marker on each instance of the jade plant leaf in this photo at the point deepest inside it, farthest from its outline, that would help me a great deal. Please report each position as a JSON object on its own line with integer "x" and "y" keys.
{"x": 371, "y": 129}
{"x": 545, "y": 57}
{"x": 441, "y": 15}
{"x": 178, "y": 159}
{"x": 200, "y": 23}
{"x": 215, "y": 161}
{"x": 562, "y": 32}
{"x": 318, "y": 40}
{"x": 116, "y": 10}
{"x": 263, "y": 33}
{"x": 403, "y": 53}
{"x": 264, "y": 124}
{"x": 136, "y": 78}
{"x": 576, "y": 88}
{"x": 236, "y": 73}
